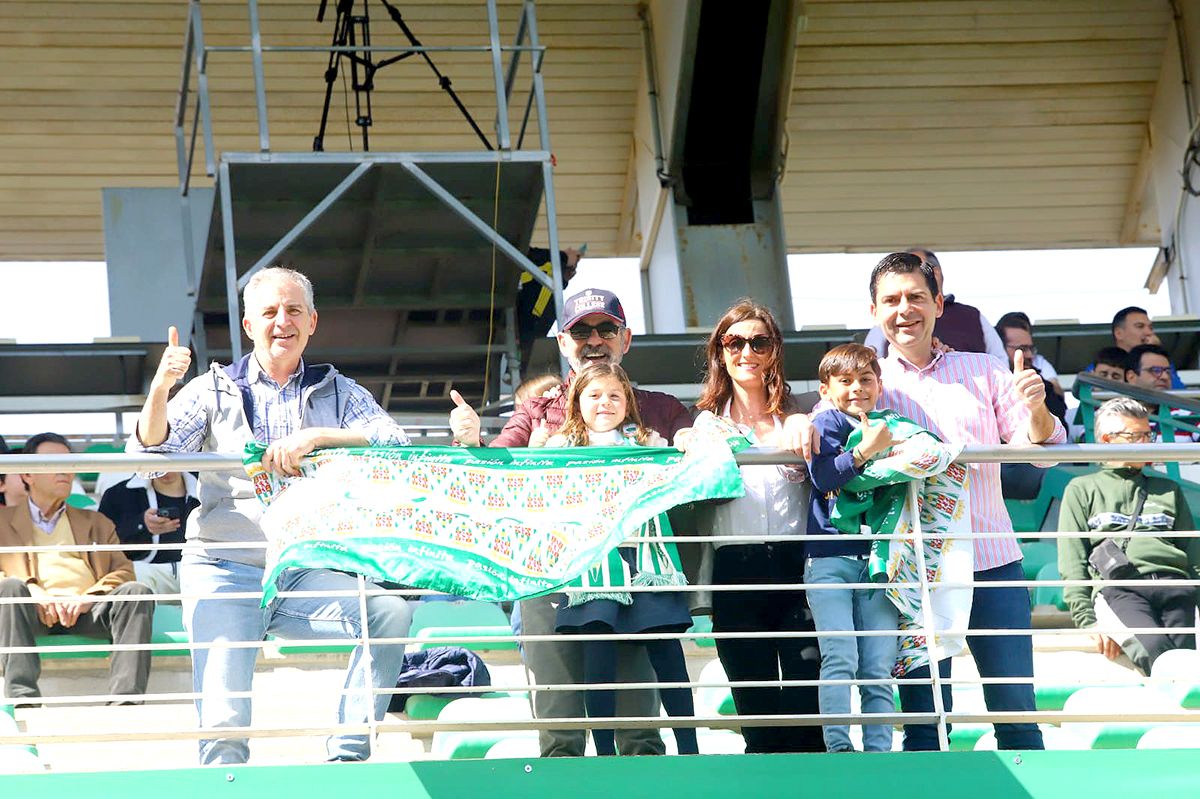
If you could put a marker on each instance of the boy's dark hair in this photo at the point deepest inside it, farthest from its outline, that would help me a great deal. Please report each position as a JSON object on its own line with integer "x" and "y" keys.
{"x": 903, "y": 263}
{"x": 1111, "y": 356}
{"x": 847, "y": 359}
{"x": 1119, "y": 316}
{"x": 1133, "y": 361}
{"x": 34, "y": 442}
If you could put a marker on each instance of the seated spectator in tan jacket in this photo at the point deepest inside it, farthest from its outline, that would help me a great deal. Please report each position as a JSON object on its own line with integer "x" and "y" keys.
{"x": 71, "y": 587}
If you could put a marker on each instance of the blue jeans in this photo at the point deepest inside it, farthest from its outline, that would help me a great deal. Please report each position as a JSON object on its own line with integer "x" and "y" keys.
{"x": 995, "y": 656}
{"x": 846, "y": 658}
{"x": 218, "y": 671}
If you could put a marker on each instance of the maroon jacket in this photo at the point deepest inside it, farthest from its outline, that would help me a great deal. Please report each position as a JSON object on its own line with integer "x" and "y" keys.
{"x": 960, "y": 327}
{"x": 660, "y": 412}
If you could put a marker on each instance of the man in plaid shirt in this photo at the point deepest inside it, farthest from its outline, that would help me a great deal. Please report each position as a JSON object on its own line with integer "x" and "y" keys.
{"x": 274, "y": 397}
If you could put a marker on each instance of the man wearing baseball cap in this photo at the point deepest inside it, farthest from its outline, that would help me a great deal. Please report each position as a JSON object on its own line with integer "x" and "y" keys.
{"x": 593, "y": 331}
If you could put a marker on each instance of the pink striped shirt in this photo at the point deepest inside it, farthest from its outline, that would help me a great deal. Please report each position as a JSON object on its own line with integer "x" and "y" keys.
{"x": 967, "y": 398}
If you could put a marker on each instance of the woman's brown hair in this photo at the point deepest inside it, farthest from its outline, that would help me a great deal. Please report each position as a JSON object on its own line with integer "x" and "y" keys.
{"x": 574, "y": 429}
{"x": 718, "y": 387}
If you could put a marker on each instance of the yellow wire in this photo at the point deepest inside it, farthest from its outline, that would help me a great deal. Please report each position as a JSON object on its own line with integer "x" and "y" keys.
{"x": 487, "y": 364}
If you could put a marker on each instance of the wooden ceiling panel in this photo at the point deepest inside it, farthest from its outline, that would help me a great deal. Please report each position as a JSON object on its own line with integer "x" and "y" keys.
{"x": 90, "y": 86}
{"x": 968, "y": 124}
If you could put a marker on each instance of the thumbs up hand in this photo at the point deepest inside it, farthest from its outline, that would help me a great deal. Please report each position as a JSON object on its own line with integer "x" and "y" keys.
{"x": 876, "y": 438}
{"x": 464, "y": 422}
{"x": 175, "y": 362}
{"x": 1029, "y": 384}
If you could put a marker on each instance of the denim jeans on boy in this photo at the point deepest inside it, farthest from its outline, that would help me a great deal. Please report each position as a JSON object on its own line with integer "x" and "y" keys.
{"x": 995, "y": 656}
{"x": 846, "y": 658}
{"x": 218, "y": 671}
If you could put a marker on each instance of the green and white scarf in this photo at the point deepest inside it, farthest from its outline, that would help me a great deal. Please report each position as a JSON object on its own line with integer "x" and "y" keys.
{"x": 657, "y": 563}
{"x": 489, "y": 523}
{"x": 915, "y": 486}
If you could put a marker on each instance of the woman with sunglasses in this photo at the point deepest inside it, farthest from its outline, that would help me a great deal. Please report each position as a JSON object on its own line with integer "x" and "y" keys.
{"x": 744, "y": 382}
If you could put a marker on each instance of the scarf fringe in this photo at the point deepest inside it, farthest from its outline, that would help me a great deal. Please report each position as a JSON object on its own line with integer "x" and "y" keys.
{"x": 650, "y": 579}
{"x": 621, "y": 597}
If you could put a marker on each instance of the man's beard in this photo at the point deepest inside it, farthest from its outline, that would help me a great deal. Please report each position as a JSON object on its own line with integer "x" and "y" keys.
{"x": 587, "y": 350}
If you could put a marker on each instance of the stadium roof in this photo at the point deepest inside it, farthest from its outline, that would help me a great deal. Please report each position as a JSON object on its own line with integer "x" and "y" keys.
{"x": 964, "y": 124}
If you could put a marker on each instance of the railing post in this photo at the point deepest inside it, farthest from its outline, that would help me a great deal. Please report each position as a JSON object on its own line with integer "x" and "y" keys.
{"x": 368, "y": 667}
{"x": 1167, "y": 431}
{"x": 260, "y": 89}
{"x": 1087, "y": 406}
{"x": 935, "y": 673}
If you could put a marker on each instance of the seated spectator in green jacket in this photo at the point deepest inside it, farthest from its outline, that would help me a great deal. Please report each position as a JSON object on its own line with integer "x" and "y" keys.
{"x": 1108, "y": 505}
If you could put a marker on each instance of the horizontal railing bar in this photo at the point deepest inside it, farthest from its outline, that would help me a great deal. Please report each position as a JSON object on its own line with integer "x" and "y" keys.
{"x": 1003, "y": 453}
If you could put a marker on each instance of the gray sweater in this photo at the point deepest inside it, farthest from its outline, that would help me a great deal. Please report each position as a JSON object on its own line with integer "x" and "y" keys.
{"x": 229, "y": 510}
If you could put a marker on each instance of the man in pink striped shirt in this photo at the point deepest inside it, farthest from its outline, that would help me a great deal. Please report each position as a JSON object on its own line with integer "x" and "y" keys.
{"x": 967, "y": 398}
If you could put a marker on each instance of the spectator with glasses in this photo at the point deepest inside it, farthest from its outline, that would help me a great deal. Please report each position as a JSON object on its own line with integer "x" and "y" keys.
{"x": 1017, "y": 335}
{"x": 1020, "y": 319}
{"x": 594, "y": 331}
{"x": 744, "y": 383}
{"x": 1107, "y": 506}
{"x": 1149, "y": 366}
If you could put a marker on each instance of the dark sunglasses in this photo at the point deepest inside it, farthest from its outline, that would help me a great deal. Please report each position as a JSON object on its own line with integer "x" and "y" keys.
{"x": 582, "y": 332}
{"x": 759, "y": 344}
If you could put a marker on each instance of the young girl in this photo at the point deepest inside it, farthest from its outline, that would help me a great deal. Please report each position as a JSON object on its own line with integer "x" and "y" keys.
{"x": 601, "y": 411}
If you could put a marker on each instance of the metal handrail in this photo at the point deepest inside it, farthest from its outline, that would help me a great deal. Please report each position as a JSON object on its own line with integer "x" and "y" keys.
{"x": 1150, "y": 395}
{"x": 975, "y": 453}
{"x": 979, "y": 454}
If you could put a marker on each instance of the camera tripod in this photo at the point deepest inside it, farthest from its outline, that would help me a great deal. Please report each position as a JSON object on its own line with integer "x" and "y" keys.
{"x": 351, "y": 31}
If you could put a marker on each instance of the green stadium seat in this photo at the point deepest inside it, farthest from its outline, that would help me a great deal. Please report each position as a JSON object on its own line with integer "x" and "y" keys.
{"x": 52, "y": 642}
{"x": 423, "y": 707}
{"x": 311, "y": 649}
{"x": 1029, "y": 515}
{"x": 1035, "y": 555}
{"x": 1177, "y": 674}
{"x": 99, "y": 448}
{"x": 718, "y": 700}
{"x": 458, "y": 745}
{"x": 964, "y": 737}
{"x": 455, "y": 623}
{"x": 702, "y": 624}
{"x": 1171, "y": 736}
{"x": 1053, "y": 697}
{"x": 168, "y": 629}
{"x": 1132, "y": 700}
{"x": 81, "y": 501}
{"x": 1049, "y": 594}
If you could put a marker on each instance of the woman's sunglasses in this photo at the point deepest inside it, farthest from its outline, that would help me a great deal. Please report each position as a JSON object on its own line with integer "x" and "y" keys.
{"x": 761, "y": 345}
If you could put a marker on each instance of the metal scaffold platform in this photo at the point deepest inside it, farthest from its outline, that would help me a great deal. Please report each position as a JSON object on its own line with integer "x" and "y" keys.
{"x": 414, "y": 256}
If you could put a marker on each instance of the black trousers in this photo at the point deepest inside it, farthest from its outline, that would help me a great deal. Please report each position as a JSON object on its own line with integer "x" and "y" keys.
{"x": 768, "y": 658}
{"x": 1159, "y": 603}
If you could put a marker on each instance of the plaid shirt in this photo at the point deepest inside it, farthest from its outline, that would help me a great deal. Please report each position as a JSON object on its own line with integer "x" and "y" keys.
{"x": 277, "y": 411}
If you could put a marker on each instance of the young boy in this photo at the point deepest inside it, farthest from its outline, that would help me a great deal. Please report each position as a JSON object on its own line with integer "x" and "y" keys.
{"x": 849, "y": 377}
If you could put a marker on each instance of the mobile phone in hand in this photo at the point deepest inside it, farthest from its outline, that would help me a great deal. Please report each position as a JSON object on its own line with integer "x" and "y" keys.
{"x": 167, "y": 513}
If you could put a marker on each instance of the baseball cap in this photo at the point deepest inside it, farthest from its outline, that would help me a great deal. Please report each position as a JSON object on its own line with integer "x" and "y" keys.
{"x": 592, "y": 301}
